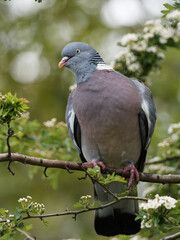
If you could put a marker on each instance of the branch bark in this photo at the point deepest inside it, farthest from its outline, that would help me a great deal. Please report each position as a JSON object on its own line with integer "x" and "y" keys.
{"x": 47, "y": 163}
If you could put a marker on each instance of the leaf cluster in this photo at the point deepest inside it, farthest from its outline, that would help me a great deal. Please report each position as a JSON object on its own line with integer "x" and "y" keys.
{"x": 11, "y": 107}
{"x": 169, "y": 8}
{"x": 95, "y": 173}
{"x": 162, "y": 218}
{"x": 10, "y": 223}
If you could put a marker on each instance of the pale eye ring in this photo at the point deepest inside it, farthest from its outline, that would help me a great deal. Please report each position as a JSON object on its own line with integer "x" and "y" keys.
{"x": 78, "y": 51}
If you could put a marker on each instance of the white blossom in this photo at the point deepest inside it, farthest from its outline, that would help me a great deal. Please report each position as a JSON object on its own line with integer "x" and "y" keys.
{"x": 148, "y": 224}
{"x": 161, "y": 168}
{"x": 134, "y": 67}
{"x": 158, "y": 201}
{"x": 20, "y": 200}
{"x": 164, "y": 144}
{"x": 50, "y": 123}
{"x": 148, "y": 35}
{"x": 152, "y": 49}
{"x": 128, "y": 38}
{"x": 140, "y": 46}
{"x": 153, "y": 22}
{"x": 161, "y": 55}
{"x": 173, "y": 126}
{"x": 122, "y": 54}
{"x": 173, "y": 15}
{"x": 86, "y": 197}
{"x": 130, "y": 58}
{"x": 29, "y": 197}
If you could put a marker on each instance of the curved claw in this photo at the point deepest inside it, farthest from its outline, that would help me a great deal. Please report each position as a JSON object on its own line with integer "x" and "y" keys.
{"x": 133, "y": 174}
{"x": 95, "y": 163}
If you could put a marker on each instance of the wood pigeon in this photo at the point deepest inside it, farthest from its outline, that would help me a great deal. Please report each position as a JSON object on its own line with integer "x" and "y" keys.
{"x": 110, "y": 119}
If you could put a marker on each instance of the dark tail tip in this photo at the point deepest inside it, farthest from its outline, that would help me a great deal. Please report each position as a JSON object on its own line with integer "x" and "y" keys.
{"x": 119, "y": 223}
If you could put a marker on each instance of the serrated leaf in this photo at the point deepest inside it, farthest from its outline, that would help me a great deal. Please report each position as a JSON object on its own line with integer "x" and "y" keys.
{"x": 18, "y": 213}
{"x": 77, "y": 205}
{"x": 168, "y": 6}
{"x": 176, "y": 5}
{"x": 138, "y": 217}
{"x": 45, "y": 222}
{"x": 21, "y": 225}
{"x": 96, "y": 204}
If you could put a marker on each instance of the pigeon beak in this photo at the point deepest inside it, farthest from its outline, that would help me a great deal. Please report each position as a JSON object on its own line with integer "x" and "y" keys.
{"x": 63, "y": 62}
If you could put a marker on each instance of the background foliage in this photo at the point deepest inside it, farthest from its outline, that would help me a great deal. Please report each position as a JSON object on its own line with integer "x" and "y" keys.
{"x": 31, "y": 38}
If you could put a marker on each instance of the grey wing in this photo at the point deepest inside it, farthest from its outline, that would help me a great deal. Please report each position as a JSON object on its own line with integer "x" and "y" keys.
{"x": 73, "y": 126}
{"x": 147, "y": 120}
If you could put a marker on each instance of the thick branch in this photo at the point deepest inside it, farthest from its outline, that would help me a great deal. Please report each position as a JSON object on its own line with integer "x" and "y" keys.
{"x": 42, "y": 162}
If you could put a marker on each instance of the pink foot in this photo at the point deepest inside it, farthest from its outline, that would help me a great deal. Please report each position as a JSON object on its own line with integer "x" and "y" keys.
{"x": 133, "y": 174}
{"x": 95, "y": 163}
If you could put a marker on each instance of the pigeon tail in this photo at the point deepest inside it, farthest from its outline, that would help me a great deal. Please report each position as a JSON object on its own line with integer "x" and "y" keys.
{"x": 116, "y": 219}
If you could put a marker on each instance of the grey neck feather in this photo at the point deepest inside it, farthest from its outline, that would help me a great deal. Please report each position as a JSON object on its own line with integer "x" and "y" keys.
{"x": 85, "y": 70}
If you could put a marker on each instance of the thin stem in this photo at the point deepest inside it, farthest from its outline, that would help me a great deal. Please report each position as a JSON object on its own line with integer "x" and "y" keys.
{"x": 24, "y": 233}
{"x": 75, "y": 213}
{"x": 172, "y": 237}
{"x": 10, "y": 132}
{"x": 101, "y": 184}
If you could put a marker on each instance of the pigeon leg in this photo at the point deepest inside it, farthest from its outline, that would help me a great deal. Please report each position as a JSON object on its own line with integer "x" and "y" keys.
{"x": 95, "y": 163}
{"x": 133, "y": 174}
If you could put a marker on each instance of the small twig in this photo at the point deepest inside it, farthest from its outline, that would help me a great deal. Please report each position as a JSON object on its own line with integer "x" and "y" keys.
{"x": 10, "y": 132}
{"x": 83, "y": 178}
{"x": 24, "y": 233}
{"x": 70, "y": 172}
{"x": 45, "y": 169}
{"x": 172, "y": 237}
{"x": 163, "y": 161}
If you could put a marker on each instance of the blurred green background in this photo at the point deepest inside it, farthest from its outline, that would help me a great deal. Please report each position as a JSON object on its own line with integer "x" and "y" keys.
{"x": 32, "y": 36}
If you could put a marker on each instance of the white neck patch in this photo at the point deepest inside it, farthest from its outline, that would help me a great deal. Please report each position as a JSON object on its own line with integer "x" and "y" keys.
{"x": 103, "y": 66}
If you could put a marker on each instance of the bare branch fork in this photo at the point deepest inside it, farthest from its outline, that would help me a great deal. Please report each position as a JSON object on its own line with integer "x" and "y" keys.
{"x": 47, "y": 163}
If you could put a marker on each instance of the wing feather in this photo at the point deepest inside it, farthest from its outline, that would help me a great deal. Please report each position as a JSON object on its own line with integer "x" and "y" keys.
{"x": 73, "y": 126}
{"x": 147, "y": 120}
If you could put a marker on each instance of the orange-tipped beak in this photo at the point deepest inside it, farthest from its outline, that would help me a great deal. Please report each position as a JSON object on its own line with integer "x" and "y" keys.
{"x": 63, "y": 62}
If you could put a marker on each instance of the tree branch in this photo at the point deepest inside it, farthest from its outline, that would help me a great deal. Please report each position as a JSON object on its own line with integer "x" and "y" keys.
{"x": 172, "y": 237}
{"x": 75, "y": 213}
{"x": 42, "y": 162}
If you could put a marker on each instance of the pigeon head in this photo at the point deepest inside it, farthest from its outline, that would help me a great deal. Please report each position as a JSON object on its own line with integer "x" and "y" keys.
{"x": 81, "y": 59}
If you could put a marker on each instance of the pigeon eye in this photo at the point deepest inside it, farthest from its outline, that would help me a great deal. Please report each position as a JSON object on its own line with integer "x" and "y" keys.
{"x": 78, "y": 51}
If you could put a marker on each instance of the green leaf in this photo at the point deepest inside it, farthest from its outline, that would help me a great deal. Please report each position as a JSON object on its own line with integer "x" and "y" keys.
{"x": 96, "y": 204}
{"x": 21, "y": 225}
{"x": 77, "y": 205}
{"x": 168, "y": 6}
{"x": 19, "y": 213}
